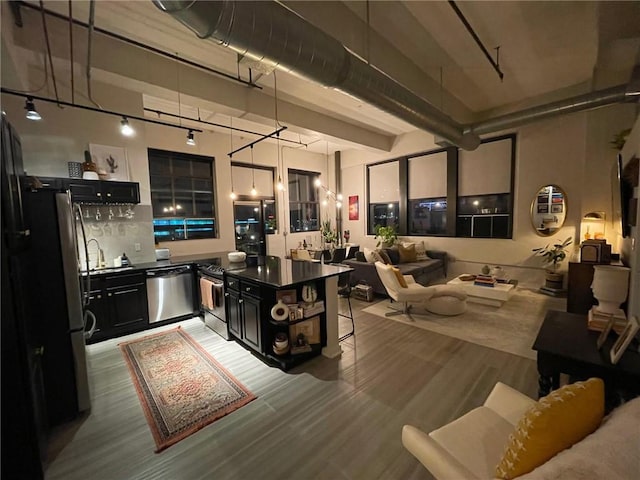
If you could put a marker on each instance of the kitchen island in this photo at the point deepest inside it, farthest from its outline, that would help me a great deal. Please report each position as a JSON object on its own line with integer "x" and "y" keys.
{"x": 253, "y": 289}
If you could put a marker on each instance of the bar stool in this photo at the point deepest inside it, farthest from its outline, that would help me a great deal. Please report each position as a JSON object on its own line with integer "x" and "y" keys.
{"x": 344, "y": 290}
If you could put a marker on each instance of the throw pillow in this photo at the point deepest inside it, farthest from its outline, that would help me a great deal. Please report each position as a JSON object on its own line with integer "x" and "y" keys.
{"x": 421, "y": 251}
{"x": 553, "y": 424}
{"x": 393, "y": 255}
{"x": 408, "y": 253}
{"x": 384, "y": 256}
{"x": 400, "y": 277}
{"x": 360, "y": 257}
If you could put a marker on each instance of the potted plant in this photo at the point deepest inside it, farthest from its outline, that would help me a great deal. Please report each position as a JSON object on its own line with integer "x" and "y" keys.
{"x": 329, "y": 236}
{"x": 387, "y": 235}
{"x": 554, "y": 254}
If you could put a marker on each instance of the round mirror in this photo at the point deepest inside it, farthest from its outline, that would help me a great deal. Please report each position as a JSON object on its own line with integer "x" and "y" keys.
{"x": 548, "y": 210}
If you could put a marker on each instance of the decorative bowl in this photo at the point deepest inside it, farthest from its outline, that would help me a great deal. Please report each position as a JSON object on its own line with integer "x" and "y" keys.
{"x": 237, "y": 256}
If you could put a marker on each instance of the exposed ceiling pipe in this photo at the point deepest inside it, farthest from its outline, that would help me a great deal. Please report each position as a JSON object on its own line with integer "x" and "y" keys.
{"x": 588, "y": 101}
{"x": 270, "y": 33}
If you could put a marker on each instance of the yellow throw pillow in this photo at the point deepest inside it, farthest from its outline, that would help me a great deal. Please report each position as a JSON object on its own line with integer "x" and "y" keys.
{"x": 553, "y": 424}
{"x": 400, "y": 277}
{"x": 407, "y": 253}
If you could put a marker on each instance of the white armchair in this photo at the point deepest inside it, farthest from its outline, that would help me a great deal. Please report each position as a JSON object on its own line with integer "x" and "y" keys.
{"x": 470, "y": 446}
{"x": 440, "y": 299}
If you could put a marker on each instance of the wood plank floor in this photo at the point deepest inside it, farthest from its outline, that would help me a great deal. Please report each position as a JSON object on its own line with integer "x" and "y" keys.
{"x": 326, "y": 419}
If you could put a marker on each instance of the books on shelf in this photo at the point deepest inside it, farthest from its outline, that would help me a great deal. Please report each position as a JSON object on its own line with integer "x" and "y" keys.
{"x": 484, "y": 281}
{"x": 598, "y": 320}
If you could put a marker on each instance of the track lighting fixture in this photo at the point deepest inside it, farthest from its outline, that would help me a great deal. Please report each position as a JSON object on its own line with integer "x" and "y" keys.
{"x": 125, "y": 128}
{"x": 190, "y": 140}
{"x": 32, "y": 113}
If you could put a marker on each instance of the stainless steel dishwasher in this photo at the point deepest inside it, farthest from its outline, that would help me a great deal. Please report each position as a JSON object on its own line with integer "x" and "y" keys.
{"x": 170, "y": 293}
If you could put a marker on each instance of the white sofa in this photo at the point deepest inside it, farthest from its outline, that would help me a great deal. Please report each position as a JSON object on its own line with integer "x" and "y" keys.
{"x": 472, "y": 445}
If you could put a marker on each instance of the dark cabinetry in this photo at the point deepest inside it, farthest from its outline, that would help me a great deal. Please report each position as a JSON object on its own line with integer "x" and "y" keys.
{"x": 244, "y": 312}
{"x": 119, "y": 304}
{"x": 580, "y": 297}
{"x": 96, "y": 191}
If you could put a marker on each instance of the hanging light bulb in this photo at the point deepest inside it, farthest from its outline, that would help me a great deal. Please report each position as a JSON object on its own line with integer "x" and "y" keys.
{"x": 32, "y": 113}
{"x": 190, "y": 140}
{"x": 324, "y": 202}
{"x": 233, "y": 195}
{"x": 338, "y": 204}
{"x": 280, "y": 185}
{"x": 317, "y": 182}
{"x": 125, "y": 128}
{"x": 339, "y": 197}
{"x": 253, "y": 192}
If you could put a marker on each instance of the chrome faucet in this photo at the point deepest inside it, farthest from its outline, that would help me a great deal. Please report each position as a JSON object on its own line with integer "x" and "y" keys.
{"x": 100, "y": 263}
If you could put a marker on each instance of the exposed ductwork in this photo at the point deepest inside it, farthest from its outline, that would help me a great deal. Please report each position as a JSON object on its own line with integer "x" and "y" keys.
{"x": 270, "y": 33}
{"x": 588, "y": 101}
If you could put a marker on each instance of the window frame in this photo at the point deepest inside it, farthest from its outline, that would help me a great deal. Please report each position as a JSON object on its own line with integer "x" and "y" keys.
{"x": 186, "y": 220}
{"x": 452, "y": 198}
{"x": 312, "y": 176}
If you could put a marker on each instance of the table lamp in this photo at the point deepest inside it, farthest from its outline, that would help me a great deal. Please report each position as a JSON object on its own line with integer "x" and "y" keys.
{"x": 610, "y": 286}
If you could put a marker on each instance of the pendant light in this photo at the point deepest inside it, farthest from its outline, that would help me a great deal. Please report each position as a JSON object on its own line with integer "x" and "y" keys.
{"x": 254, "y": 192}
{"x": 232, "y": 195}
{"x": 279, "y": 185}
{"x": 32, "y": 113}
{"x": 125, "y": 128}
{"x": 190, "y": 140}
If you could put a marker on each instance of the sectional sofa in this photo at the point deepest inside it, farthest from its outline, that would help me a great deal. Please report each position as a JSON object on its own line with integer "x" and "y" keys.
{"x": 423, "y": 271}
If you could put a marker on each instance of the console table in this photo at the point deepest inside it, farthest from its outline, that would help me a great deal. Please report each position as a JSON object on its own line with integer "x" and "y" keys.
{"x": 564, "y": 345}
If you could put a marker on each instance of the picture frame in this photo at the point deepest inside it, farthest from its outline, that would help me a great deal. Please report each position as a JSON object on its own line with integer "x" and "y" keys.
{"x": 557, "y": 208}
{"x": 111, "y": 162}
{"x": 543, "y": 199}
{"x": 310, "y": 328}
{"x": 624, "y": 339}
{"x": 543, "y": 208}
{"x": 605, "y": 332}
{"x": 354, "y": 208}
{"x": 287, "y": 296}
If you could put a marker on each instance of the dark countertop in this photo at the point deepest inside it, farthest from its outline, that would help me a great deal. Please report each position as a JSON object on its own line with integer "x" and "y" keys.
{"x": 277, "y": 272}
{"x": 272, "y": 271}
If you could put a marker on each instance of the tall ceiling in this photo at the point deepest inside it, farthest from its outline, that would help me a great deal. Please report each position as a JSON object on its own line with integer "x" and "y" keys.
{"x": 547, "y": 51}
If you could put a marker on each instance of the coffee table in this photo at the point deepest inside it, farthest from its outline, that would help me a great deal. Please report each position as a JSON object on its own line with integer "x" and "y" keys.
{"x": 494, "y": 296}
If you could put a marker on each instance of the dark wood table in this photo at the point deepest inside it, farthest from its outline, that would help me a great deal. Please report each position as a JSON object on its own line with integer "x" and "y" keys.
{"x": 564, "y": 345}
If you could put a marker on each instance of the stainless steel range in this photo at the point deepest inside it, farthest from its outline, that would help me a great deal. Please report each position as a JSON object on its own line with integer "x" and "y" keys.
{"x": 212, "y": 296}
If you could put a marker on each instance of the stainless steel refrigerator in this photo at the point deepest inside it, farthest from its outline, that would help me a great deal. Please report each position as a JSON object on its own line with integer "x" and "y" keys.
{"x": 56, "y": 286}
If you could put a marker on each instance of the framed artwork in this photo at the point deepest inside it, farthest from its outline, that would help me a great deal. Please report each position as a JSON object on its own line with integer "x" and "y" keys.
{"x": 309, "y": 328}
{"x": 556, "y": 208}
{"x": 543, "y": 208}
{"x": 605, "y": 332}
{"x": 354, "y": 208}
{"x": 287, "y": 296}
{"x": 111, "y": 162}
{"x": 624, "y": 339}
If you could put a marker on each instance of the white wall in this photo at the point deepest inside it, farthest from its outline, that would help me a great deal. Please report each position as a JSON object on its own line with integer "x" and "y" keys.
{"x": 63, "y": 135}
{"x": 557, "y": 151}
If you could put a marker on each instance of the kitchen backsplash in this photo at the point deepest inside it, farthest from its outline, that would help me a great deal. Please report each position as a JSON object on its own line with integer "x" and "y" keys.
{"x": 118, "y": 229}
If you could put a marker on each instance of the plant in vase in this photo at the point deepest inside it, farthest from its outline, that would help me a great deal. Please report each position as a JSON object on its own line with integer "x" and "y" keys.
{"x": 387, "y": 235}
{"x": 329, "y": 236}
{"x": 554, "y": 255}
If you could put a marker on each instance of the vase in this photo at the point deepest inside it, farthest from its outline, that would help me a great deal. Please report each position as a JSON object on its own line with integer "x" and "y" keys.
{"x": 610, "y": 285}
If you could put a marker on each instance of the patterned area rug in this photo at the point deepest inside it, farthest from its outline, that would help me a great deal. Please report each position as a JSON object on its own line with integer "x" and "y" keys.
{"x": 181, "y": 387}
{"x": 511, "y": 328}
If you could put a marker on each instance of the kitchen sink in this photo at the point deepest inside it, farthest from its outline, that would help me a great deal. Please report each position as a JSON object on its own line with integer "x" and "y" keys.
{"x": 98, "y": 271}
